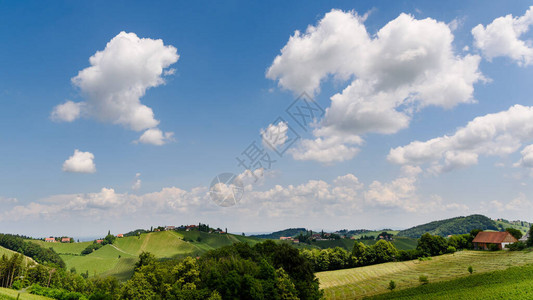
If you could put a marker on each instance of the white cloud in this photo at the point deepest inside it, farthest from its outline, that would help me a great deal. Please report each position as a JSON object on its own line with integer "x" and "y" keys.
{"x": 80, "y": 162}
{"x": 498, "y": 134}
{"x": 156, "y": 137}
{"x": 520, "y": 203}
{"x": 118, "y": 77}
{"x": 137, "y": 183}
{"x": 275, "y": 135}
{"x": 409, "y": 64}
{"x": 341, "y": 197}
{"x": 66, "y": 112}
{"x": 502, "y": 38}
{"x": 527, "y": 157}
{"x": 327, "y": 150}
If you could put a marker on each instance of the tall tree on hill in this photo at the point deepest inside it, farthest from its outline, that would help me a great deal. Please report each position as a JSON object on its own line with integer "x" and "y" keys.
{"x": 529, "y": 241}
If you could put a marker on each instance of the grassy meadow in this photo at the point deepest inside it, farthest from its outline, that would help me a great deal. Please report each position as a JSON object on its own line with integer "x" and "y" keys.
{"x": 9, "y": 294}
{"x": 512, "y": 283}
{"x": 366, "y": 281}
{"x": 118, "y": 259}
{"x": 9, "y": 253}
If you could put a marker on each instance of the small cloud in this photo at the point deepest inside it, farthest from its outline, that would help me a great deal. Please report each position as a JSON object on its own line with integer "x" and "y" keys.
{"x": 137, "y": 183}
{"x": 80, "y": 162}
{"x": 66, "y": 112}
{"x": 156, "y": 137}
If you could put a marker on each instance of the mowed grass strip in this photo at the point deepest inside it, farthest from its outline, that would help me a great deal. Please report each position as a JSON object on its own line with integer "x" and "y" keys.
{"x": 371, "y": 280}
{"x": 512, "y": 283}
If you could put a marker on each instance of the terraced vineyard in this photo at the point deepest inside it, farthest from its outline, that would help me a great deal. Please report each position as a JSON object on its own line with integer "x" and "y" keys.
{"x": 357, "y": 283}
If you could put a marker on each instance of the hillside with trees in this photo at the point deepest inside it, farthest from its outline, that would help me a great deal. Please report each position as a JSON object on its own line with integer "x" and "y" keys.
{"x": 277, "y": 234}
{"x": 453, "y": 226}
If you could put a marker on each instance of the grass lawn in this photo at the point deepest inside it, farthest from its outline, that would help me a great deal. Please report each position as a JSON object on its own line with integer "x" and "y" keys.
{"x": 372, "y": 280}
{"x": 512, "y": 283}
{"x": 9, "y": 294}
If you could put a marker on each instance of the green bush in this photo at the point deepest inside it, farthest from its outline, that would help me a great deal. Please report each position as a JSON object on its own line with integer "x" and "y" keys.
{"x": 470, "y": 269}
{"x": 493, "y": 247}
{"x": 451, "y": 249}
{"x": 518, "y": 246}
{"x": 392, "y": 285}
{"x": 423, "y": 279}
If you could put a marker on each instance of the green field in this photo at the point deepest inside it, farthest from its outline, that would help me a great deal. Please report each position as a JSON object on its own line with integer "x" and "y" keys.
{"x": 372, "y": 280}
{"x": 9, "y": 294}
{"x": 118, "y": 259}
{"x": 512, "y": 283}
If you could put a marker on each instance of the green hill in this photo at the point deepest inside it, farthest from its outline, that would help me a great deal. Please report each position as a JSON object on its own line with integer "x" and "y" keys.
{"x": 9, "y": 253}
{"x": 286, "y": 232}
{"x": 372, "y": 280}
{"x": 458, "y": 225}
{"x": 118, "y": 259}
{"x": 513, "y": 283}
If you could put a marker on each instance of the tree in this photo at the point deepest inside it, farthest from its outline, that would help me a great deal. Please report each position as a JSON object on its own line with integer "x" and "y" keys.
{"x": 432, "y": 244}
{"x": 358, "y": 250}
{"x": 529, "y": 241}
{"x": 392, "y": 285}
{"x": 470, "y": 269}
{"x": 514, "y": 232}
{"x": 385, "y": 251}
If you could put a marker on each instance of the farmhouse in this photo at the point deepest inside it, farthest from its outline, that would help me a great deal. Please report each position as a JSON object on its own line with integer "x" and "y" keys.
{"x": 99, "y": 241}
{"x": 170, "y": 227}
{"x": 120, "y": 235}
{"x": 65, "y": 240}
{"x": 486, "y": 238}
{"x": 50, "y": 240}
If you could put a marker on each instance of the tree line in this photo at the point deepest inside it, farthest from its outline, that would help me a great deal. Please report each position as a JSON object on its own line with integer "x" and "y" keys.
{"x": 33, "y": 250}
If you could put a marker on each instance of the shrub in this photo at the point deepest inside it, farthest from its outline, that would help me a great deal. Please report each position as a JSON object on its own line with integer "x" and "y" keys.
{"x": 451, "y": 249}
{"x": 392, "y": 285}
{"x": 516, "y": 246}
{"x": 470, "y": 269}
{"x": 493, "y": 247}
{"x": 423, "y": 279}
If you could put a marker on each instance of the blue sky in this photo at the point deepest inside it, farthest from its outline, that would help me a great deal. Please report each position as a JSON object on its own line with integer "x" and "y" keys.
{"x": 356, "y": 168}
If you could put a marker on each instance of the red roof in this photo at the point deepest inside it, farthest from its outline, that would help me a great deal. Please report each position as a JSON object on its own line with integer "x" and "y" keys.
{"x": 494, "y": 237}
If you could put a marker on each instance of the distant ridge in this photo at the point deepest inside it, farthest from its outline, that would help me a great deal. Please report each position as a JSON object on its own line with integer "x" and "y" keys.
{"x": 277, "y": 234}
{"x": 457, "y": 225}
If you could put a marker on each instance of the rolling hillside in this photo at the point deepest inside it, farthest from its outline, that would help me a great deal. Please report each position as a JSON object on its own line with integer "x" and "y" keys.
{"x": 8, "y": 253}
{"x": 118, "y": 259}
{"x": 512, "y": 283}
{"x": 367, "y": 281}
{"x": 286, "y": 232}
{"x": 457, "y": 225}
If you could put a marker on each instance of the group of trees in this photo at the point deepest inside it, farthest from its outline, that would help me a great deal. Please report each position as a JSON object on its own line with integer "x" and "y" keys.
{"x": 384, "y": 251}
{"x": 268, "y": 270}
{"x": 33, "y": 250}
{"x": 451, "y": 226}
